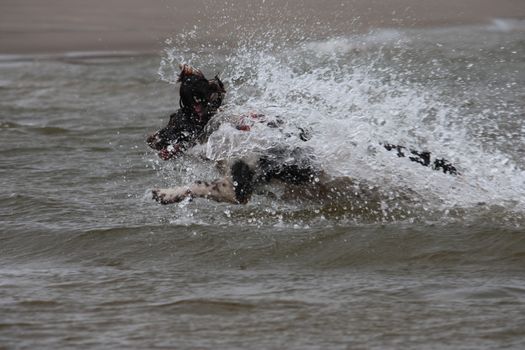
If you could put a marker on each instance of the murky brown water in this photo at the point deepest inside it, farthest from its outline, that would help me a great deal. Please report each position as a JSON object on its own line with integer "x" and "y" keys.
{"x": 87, "y": 260}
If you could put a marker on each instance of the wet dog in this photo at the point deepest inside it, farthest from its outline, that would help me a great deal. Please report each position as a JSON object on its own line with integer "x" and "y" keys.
{"x": 200, "y": 100}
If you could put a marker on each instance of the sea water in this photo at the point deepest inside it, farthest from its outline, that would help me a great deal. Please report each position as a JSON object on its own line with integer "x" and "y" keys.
{"x": 88, "y": 260}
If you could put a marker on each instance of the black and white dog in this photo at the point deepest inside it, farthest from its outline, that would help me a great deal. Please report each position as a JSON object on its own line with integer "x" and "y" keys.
{"x": 200, "y": 99}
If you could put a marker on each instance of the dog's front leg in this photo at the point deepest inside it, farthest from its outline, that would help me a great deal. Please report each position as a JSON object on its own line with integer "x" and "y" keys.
{"x": 221, "y": 190}
{"x": 171, "y": 195}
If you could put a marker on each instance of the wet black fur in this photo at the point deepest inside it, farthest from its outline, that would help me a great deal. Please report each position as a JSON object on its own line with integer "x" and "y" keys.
{"x": 423, "y": 158}
{"x": 185, "y": 126}
{"x": 243, "y": 181}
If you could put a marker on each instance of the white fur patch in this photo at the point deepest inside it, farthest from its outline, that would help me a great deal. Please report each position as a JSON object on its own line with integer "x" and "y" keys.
{"x": 220, "y": 190}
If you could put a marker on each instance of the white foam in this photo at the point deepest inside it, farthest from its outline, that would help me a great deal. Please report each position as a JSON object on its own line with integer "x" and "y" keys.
{"x": 339, "y": 45}
{"x": 507, "y": 25}
{"x": 353, "y": 102}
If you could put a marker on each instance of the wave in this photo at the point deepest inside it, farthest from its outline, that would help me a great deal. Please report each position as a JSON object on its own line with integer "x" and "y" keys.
{"x": 77, "y": 57}
{"x": 249, "y": 247}
{"x": 75, "y": 133}
{"x": 507, "y": 25}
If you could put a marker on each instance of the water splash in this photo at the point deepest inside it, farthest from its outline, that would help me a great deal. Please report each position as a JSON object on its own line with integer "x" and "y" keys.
{"x": 357, "y": 92}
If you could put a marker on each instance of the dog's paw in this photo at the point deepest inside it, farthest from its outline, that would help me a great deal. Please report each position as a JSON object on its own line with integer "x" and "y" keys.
{"x": 170, "y": 195}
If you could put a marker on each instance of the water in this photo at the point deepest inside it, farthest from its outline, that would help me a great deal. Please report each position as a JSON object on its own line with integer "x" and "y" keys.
{"x": 87, "y": 260}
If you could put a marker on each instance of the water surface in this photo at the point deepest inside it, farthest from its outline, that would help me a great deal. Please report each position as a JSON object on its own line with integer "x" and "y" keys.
{"x": 87, "y": 260}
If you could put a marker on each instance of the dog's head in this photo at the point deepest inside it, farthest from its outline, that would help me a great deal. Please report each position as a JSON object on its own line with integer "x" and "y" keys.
{"x": 199, "y": 100}
{"x": 199, "y": 95}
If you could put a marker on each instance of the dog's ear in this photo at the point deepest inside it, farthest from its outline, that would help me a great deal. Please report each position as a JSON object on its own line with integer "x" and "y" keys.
{"x": 186, "y": 71}
{"x": 217, "y": 92}
{"x": 216, "y": 85}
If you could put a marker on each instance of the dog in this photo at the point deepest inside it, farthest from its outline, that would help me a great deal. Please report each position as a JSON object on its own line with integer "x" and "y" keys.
{"x": 193, "y": 123}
